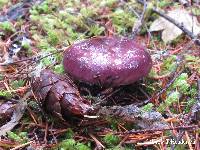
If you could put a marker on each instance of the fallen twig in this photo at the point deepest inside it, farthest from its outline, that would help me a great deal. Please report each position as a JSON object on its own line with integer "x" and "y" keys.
{"x": 22, "y": 145}
{"x": 99, "y": 144}
{"x": 192, "y": 127}
{"x": 137, "y": 27}
{"x": 179, "y": 25}
{"x": 34, "y": 58}
{"x": 167, "y": 86}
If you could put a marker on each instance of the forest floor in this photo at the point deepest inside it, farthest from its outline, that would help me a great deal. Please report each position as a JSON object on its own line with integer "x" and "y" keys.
{"x": 161, "y": 111}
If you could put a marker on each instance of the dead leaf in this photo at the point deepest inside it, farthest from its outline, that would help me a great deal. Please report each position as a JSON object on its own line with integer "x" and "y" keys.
{"x": 17, "y": 113}
{"x": 170, "y": 31}
{"x": 6, "y": 110}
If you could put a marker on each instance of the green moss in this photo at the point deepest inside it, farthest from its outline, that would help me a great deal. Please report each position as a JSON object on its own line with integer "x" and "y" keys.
{"x": 165, "y": 3}
{"x": 59, "y": 69}
{"x": 7, "y": 26}
{"x": 71, "y": 144}
{"x": 17, "y": 83}
{"x": 190, "y": 102}
{"x": 5, "y": 93}
{"x": 196, "y": 11}
{"x": 168, "y": 65}
{"x": 193, "y": 90}
{"x": 113, "y": 122}
{"x": 96, "y": 30}
{"x": 69, "y": 133}
{"x": 21, "y": 137}
{"x": 42, "y": 44}
{"x": 87, "y": 12}
{"x": 122, "y": 20}
{"x": 148, "y": 107}
{"x": 44, "y": 8}
{"x": 1, "y": 76}
{"x": 181, "y": 83}
{"x": 111, "y": 140}
{"x": 3, "y": 2}
{"x": 108, "y": 3}
{"x": 193, "y": 62}
{"x": 173, "y": 97}
{"x": 26, "y": 44}
{"x": 54, "y": 24}
{"x": 34, "y": 17}
{"x": 53, "y": 38}
{"x": 180, "y": 88}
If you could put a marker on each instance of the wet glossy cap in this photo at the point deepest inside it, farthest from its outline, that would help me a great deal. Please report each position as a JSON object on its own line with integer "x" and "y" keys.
{"x": 111, "y": 61}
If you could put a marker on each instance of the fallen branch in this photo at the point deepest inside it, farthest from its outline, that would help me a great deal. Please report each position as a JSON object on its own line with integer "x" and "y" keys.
{"x": 179, "y": 25}
{"x": 192, "y": 127}
{"x": 137, "y": 27}
{"x": 34, "y": 58}
{"x": 167, "y": 86}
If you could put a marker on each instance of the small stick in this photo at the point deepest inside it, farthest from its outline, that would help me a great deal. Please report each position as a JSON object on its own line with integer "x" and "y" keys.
{"x": 137, "y": 27}
{"x": 22, "y": 145}
{"x": 97, "y": 141}
{"x": 166, "y": 87}
{"x": 123, "y": 140}
{"x": 192, "y": 127}
{"x": 179, "y": 25}
{"x": 34, "y": 58}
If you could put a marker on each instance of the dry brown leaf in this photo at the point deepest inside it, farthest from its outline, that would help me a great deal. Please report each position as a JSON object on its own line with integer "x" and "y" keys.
{"x": 169, "y": 30}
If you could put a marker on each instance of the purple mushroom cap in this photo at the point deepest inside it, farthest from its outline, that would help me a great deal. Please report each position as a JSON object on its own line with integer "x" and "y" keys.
{"x": 110, "y": 61}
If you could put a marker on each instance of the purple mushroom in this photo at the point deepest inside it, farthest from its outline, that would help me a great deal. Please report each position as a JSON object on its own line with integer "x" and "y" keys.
{"x": 110, "y": 61}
